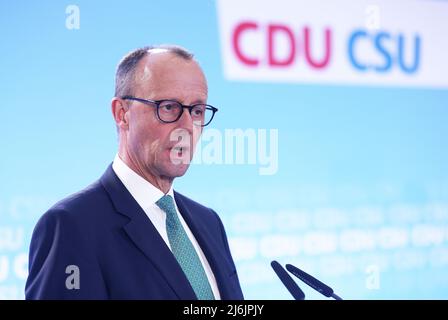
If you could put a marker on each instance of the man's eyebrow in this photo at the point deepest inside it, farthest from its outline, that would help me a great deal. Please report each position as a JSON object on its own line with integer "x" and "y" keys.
{"x": 200, "y": 101}
{"x": 197, "y": 101}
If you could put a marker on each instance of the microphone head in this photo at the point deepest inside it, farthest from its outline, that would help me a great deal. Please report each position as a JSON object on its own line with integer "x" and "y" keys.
{"x": 289, "y": 283}
{"x": 310, "y": 280}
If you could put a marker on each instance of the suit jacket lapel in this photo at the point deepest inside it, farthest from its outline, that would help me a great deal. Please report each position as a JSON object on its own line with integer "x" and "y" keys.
{"x": 218, "y": 262}
{"x": 145, "y": 236}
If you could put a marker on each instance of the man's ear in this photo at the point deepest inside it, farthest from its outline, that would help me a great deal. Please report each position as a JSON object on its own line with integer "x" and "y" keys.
{"x": 119, "y": 110}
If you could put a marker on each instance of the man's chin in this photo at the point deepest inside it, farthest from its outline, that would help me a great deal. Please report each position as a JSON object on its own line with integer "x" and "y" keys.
{"x": 177, "y": 170}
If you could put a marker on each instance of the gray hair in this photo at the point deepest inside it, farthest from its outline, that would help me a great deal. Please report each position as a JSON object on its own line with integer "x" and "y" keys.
{"x": 124, "y": 76}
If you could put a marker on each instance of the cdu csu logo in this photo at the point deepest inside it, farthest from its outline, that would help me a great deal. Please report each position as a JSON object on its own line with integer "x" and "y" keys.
{"x": 283, "y": 47}
{"x": 390, "y": 48}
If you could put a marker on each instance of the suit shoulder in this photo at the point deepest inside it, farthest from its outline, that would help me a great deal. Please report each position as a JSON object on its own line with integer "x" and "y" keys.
{"x": 77, "y": 206}
{"x": 91, "y": 195}
{"x": 72, "y": 218}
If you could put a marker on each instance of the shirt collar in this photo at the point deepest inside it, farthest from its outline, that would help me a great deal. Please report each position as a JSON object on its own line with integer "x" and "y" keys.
{"x": 142, "y": 190}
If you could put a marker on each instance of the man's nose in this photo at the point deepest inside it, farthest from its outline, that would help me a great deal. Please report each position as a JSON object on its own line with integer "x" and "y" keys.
{"x": 185, "y": 121}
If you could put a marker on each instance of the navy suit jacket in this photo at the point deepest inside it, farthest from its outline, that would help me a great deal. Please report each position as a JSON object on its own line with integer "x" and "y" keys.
{"x": 119, "y": 254}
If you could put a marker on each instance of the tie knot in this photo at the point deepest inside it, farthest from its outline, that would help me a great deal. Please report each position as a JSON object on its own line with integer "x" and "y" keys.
{"x": 166, "y": 203}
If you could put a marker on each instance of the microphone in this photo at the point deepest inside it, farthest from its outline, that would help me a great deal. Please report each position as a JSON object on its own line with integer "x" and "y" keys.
{"x": 289, "y": 283}
{"x": 312, "y": 282}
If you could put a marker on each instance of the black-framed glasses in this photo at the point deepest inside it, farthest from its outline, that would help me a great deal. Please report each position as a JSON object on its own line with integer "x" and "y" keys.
{"x": 169, "y": 111}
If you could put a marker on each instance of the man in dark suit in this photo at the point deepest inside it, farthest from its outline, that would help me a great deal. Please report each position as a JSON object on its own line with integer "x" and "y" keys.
{"x": 129, "y": 235}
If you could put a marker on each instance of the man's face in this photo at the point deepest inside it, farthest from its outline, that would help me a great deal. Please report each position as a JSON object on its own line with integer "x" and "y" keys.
{"x": 152, "y": 143}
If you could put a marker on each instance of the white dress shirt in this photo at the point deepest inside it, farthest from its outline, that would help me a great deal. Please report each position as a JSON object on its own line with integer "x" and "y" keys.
{"x": 146, "y": 196}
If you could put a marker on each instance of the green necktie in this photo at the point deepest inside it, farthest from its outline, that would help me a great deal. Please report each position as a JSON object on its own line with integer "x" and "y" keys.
{"x": 184, "y": 251}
